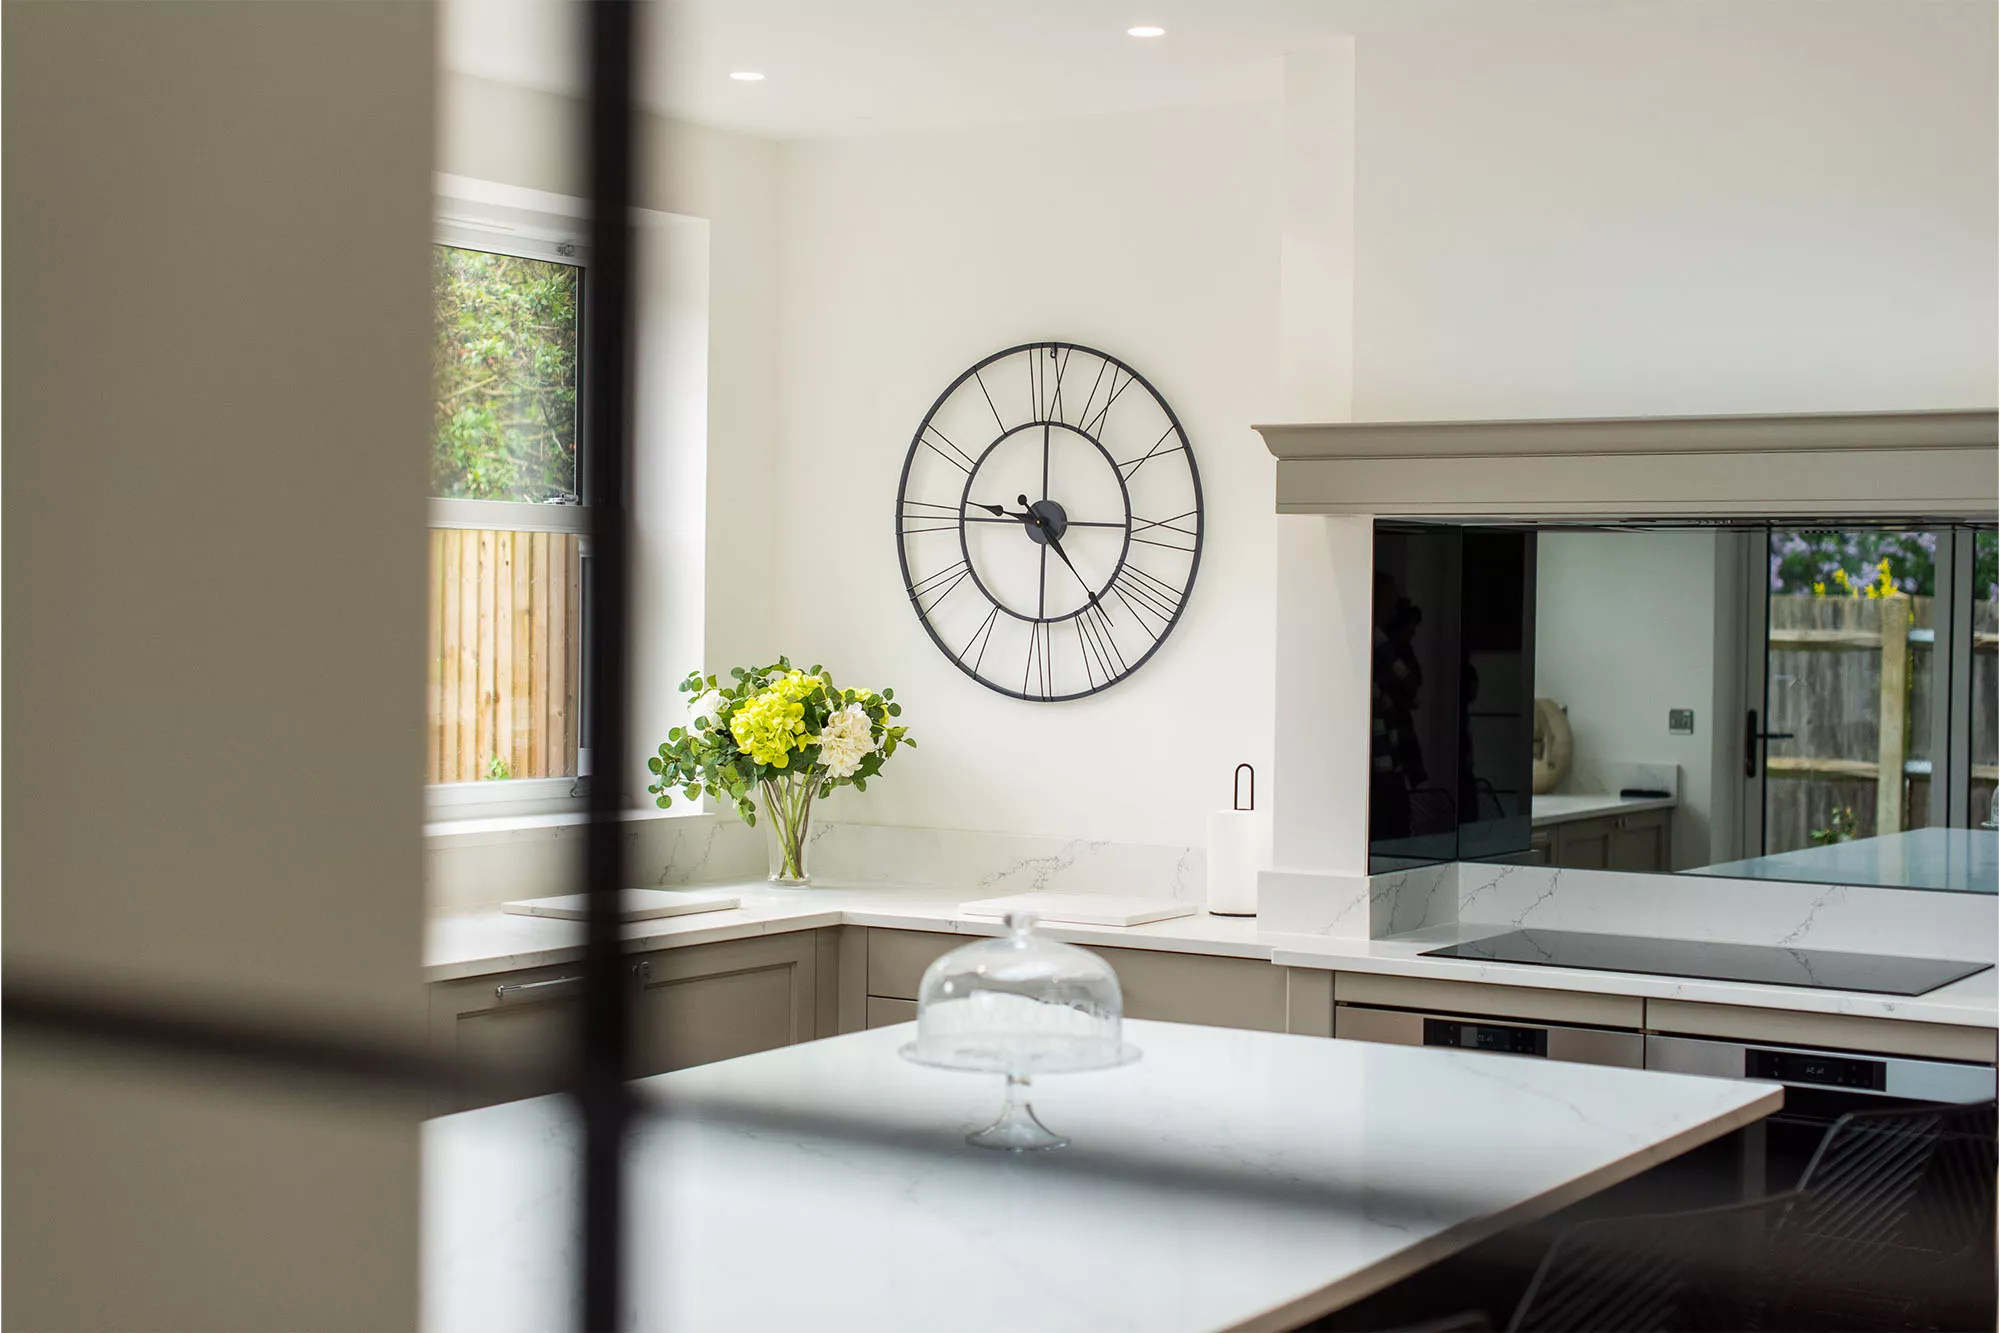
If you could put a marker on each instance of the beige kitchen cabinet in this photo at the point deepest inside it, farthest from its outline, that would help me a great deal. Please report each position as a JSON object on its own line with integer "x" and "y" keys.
{"x": 1157, "y": 984}
{"x": 517, "y": 1025}
{"x": 1639, "y": 842}
{"x": 713, "y": 1001}
{"x": 690, "y": 1006}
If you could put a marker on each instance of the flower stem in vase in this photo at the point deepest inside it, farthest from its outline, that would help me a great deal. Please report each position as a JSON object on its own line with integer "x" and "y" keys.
{"x": 788, "y": 820}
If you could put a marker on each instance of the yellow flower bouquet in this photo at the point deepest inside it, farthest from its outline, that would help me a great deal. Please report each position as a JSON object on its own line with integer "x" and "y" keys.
{"x": 791, "y": 735}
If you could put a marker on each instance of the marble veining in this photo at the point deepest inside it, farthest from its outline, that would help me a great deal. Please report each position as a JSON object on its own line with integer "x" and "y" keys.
{"x": 997, "y": 863}
{"x": 1223, "y": 1178}
{"x": 1847, "y": 917}
{"x": 726, "y": 847}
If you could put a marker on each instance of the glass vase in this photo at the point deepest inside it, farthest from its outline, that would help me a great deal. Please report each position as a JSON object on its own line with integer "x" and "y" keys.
{"x": 787, "y": 820}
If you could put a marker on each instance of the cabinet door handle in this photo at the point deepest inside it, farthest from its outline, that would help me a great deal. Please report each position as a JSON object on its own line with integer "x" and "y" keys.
{"x": 535, "y": 990}
{"x": 556, "y": 986}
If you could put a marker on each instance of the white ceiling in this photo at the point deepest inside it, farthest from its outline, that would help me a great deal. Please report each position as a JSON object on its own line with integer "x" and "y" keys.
{"x": 856, "y": 67}
{"x": 846, "y": 67}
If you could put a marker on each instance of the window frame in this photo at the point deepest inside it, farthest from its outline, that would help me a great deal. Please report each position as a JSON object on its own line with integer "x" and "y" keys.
{"x": 468, "y": 225}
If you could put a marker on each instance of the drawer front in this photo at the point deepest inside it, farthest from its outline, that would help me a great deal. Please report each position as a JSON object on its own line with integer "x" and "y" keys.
{"x": 897, "y": 959}
{"x": 1890, "y": 1036}
{"x": 712, "y": 1002}
{"x": 519, "y": 1024}
{"x": 1583, "y": 1046}
{"x": 1169, "y": 987}
{"x": 1506, "y": 1002}
{"x": 887, "y": 1013}
{"x": 1197, "y": 988}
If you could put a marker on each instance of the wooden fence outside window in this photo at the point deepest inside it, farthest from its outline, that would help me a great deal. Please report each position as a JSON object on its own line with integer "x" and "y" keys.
{"x": 505, "y": 625}
{"x": 1852, "y": 679}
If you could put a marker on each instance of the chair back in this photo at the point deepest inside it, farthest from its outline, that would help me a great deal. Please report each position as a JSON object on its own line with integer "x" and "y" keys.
{"x": 1689, "y": 1272}
{"x": 1895, "y": 1217}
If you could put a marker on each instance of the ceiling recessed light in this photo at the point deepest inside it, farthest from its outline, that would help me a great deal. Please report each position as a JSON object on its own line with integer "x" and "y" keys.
{"x": 1145, "y": 30}
{"x": 747, "y": 76}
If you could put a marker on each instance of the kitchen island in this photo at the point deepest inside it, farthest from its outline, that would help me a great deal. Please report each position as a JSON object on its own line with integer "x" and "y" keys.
{"x": 1228, "y": 1180}
{"x": 1959, "y": 860}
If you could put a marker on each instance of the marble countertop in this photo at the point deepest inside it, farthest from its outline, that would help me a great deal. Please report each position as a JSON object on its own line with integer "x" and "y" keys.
{"x": 1973, "y": 1001}
{"x": 1963, "y": 860}
{"x": 1562, "y": 807}
{"x": 485, "y": 942}
{"x": 1227, "y": 1181}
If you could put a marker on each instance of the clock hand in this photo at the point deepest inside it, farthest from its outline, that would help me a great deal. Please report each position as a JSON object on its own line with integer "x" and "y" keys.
{"x": 1053, "y": 543}
{"x": 1002, "y": 513}
{"x": 1057, "y": 546}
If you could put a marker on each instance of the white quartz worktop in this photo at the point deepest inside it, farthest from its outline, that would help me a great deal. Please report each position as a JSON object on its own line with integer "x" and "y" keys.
{"x": 484, "y": 942}
{"x": 477, "y": 943}
{"x": 1226, "y": 1181}
{"x": 1962, "y": 860}
{"x": 1973, "y": 1001}
{"x": 1563, "y": 807}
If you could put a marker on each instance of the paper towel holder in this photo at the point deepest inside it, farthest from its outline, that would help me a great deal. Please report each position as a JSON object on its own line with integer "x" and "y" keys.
{"x": 1236, "y": 788}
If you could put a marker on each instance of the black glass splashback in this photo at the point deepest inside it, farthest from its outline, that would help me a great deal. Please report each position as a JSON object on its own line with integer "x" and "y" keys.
{"x": 1873, "y": 974}
{"x": 1451, "y": 696}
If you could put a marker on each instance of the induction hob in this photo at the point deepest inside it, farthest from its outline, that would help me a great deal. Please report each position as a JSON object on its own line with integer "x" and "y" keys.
{"x": 1770, "y": 965}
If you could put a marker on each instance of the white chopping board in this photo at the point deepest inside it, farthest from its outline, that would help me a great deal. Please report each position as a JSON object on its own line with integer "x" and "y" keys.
{"x": 1082, "y": 909}
{"x": 633, "y": 905}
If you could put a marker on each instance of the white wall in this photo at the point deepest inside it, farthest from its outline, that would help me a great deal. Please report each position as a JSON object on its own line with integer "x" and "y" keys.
{"x": 514, "y": 136}
{"x": 1625, "y": 628}
{"x": 1706, "y": 206}
{"x": 218, "y": 226}
{"x": 1154, "y": 236}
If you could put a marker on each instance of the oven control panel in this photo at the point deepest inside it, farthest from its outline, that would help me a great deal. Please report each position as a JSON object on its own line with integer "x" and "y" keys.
{"x": 1486, "y": 1037}
{"x": 1807, "y": 1067}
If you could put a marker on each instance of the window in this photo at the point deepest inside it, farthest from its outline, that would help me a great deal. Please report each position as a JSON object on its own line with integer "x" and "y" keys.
{"x": 508, "y": 539}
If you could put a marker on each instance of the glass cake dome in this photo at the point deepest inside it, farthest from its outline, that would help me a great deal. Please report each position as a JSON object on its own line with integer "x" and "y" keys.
{"x": 1019, "y": 1005}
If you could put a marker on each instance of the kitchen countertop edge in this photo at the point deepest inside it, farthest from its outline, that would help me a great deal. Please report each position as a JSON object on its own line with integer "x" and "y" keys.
{"x": 488, "y": 941}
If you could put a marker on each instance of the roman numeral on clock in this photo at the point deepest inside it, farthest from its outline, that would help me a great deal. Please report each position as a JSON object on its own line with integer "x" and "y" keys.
{"x": 919, "y": 516}
{"x": 1153, "y": 601}
{"x": 1172, "y": 533}
{"x": 928, "y": 592}
{"x": 1098, "y": 646}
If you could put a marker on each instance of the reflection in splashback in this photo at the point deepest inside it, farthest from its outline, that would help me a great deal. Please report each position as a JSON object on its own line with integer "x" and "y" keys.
{"x": 1741, "y": 700}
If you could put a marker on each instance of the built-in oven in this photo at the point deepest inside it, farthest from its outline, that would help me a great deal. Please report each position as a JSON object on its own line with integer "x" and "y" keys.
{"x": 1820, "y": 1087}
{"x": 1402, "y": 1027}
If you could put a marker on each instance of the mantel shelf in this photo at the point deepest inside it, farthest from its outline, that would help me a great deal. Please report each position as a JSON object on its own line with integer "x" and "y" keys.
{"x": 1930, "y": 464}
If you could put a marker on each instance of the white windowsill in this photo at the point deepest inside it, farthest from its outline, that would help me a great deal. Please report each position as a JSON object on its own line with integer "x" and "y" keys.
{"x": 515, "y": 828}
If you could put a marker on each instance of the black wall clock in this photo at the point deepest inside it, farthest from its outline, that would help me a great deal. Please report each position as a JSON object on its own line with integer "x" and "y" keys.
{"x": 1049, "y": 521}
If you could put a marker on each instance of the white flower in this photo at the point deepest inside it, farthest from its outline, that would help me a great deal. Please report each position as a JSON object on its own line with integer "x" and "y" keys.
{"x": 845, "y": 741}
